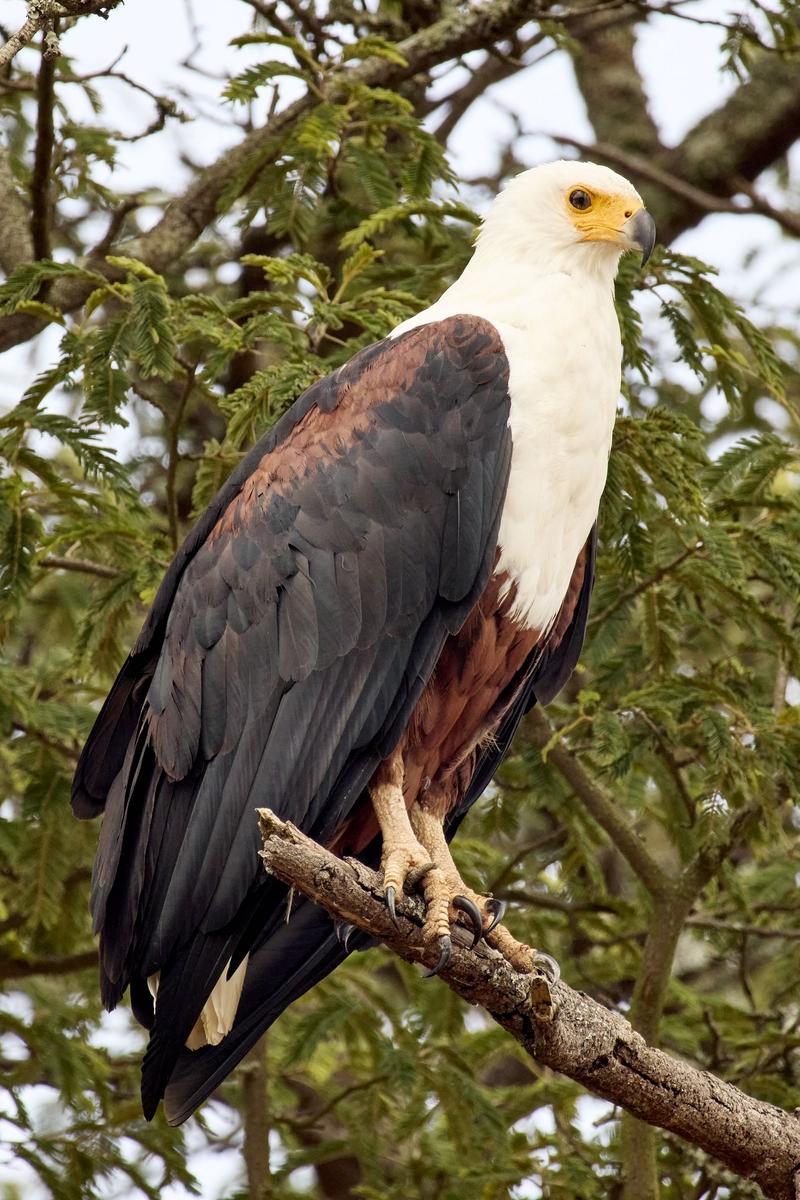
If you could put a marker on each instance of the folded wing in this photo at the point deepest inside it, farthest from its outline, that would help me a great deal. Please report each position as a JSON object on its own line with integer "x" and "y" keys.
{"x": 282, "y": 658}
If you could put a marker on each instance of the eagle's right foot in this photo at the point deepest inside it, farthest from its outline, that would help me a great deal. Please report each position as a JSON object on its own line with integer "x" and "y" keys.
{"x": 404, "y": 860}
{"x": 404, "y": 863}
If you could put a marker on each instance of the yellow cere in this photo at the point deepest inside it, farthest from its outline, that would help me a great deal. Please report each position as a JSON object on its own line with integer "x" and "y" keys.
{"x": 604, "y": 216}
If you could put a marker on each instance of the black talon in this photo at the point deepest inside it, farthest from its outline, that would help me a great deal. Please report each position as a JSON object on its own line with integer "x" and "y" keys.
{"x": 471, "y": 910}
{"x": 547, "y": 964}
{"x": 497, "y": 908}
{"x": 445, "y": 951}
{"x": 390, "y": 898}
{"x": 344, "y": 931}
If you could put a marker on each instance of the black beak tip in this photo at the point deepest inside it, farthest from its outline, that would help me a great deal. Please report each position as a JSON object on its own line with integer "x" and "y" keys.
{"x": 644, "y": 233}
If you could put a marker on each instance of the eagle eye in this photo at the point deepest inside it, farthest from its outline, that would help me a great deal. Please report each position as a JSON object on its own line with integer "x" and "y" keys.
{"x": 580, "y": 199}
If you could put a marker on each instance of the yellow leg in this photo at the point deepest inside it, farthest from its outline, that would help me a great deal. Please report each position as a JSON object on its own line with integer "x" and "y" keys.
{"x": 415, "y": 851}
{"x": 446, "y": 893}
{"x": 403, "y": 859}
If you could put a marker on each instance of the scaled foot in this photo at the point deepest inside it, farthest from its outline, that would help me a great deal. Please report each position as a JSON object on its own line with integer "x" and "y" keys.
{"x": 404, "y": 863}
{"x": 450, "y": 900}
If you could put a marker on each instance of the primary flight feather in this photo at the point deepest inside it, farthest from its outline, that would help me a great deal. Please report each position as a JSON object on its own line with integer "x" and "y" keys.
{"x": 352, "y": 631}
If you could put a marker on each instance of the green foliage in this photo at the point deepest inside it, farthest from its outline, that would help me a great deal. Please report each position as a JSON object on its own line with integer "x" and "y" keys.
{"x": 677, "y": 711}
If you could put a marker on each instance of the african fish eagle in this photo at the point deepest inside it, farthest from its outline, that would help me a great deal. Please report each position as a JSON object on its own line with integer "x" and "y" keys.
{"x": 393, "y": 575}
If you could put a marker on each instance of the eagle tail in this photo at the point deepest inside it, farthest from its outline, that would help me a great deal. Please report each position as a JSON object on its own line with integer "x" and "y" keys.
{"x": 291, "y": 960}
{"x": 192, "y": 973}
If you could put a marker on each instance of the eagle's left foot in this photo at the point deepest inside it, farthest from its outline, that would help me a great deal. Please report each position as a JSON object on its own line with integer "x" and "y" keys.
{"x": 449, "y": 901}
{"x": 404, "y": 862}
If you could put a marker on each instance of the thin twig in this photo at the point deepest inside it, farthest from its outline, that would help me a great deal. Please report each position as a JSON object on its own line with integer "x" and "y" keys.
{"x": 645, "y": 584}
{"x": 58, "y": 562}
{"x": 68, "y": 752}
{"x": 762, "y": 931}
{"x": 115, "y": 224}
{"x": 269, "y": 11}
{"x": 307, "y": 19}
{"x": 600, "y": 806}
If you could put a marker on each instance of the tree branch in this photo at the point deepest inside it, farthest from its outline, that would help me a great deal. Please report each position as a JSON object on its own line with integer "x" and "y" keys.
{"x": 16, "y": 244}
{"x": 59, "y": 562}
{"x": 41, "y": 11}
{"x": 636, "y": 589}
{"x": 19, "y": 40}
{"x": 23, "y": 968}
{"x": 41, "y": 176}
{"x": 600, "y": 806}
{"x": 590, "y": 1044}
{"x": 185, "y": 219}
{"x": 720, "y": 156}
{"x": 255, "y": 1102}
{"x": 704, "y": 202}
{"x": 611, "y": 84}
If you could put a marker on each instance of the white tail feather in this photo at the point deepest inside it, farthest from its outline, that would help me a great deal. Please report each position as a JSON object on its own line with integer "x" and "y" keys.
{"x": 219, "y": 1010}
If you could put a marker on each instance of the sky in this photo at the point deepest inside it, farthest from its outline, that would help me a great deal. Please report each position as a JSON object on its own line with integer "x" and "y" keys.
{"x": 681, "y": 66}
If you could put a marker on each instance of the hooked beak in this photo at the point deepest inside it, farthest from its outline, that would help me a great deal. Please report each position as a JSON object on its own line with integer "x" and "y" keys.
{"x": 640, "y": 230}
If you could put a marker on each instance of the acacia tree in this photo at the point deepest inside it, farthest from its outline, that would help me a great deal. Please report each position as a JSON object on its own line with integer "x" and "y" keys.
{"x": 644, "y": 828}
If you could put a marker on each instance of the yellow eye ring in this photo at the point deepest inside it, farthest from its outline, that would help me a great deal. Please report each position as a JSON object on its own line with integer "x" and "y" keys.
{"x": 580, "y": 199}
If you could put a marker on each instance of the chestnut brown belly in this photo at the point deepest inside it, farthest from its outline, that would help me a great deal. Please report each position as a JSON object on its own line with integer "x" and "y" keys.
{"x": 465, "y": 699}
{"x": 472, "y": 686}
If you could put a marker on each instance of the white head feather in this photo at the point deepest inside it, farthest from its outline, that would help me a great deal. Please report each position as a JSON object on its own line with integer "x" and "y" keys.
{"x": 531, "y": 219}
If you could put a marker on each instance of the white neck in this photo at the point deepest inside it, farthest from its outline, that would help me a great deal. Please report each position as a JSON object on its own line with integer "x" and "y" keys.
{"x": 504, "y": 279}
{"x": 554, "y": 311}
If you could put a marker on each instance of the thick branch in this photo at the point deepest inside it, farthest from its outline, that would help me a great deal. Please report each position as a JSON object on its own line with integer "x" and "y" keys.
{"x": 186, "y": 218}
{"x": 16, "y": 244}
{"x": 717, "y": 159}
{"x": 612, "y": 86}
{"x": 753, "y": 129}
{"x": 590, "y": 1044}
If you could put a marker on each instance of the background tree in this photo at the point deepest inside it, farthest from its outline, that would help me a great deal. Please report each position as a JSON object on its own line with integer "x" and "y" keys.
{"x": 644, "y": 829}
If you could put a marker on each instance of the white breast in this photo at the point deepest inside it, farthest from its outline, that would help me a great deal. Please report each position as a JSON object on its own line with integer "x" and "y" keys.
{"x": 564, "y": 385}
{"x": 562, "y": 341}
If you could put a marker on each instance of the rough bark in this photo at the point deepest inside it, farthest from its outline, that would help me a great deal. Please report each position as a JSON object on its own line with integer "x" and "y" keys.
{"x": 16, "y": 244}
{"x": 560, "y": 1028}
{"x": 754, "y": 128}
{"x": 612, "y": 87}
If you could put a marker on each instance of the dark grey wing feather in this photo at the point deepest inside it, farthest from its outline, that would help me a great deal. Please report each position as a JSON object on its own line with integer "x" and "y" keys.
{"x": 283, "y": 656}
